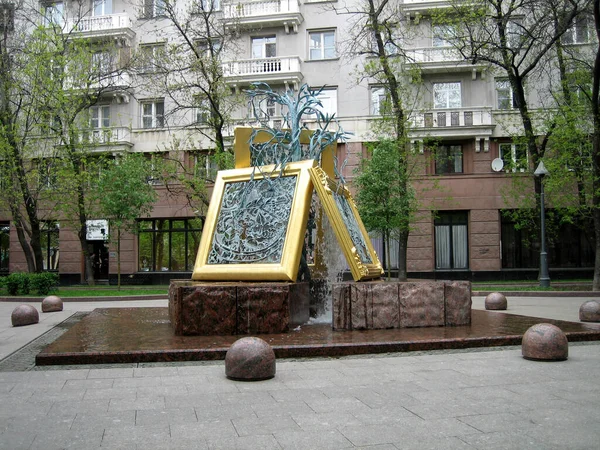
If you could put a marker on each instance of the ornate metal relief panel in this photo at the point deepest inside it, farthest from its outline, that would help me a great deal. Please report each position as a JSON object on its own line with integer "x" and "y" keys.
{"x": 353, "y": 228}
{"x": 253, "y": 221}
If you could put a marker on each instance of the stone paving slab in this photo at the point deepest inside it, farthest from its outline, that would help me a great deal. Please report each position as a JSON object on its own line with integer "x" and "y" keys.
{"x": 352, "y": 402}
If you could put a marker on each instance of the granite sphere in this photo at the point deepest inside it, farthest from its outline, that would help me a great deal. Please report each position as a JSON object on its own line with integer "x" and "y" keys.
{"x": 495, "y": 301}
{"x": 590, "y": 311}
{"x": 250, "y": 359}
{"x": 545, "y": 342}
{"x": 24, "y": 315}
{"x": 52, "y": 303}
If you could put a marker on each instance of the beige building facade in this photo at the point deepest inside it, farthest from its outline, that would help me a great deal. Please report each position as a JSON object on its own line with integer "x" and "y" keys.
{"x": 465, "y": 108}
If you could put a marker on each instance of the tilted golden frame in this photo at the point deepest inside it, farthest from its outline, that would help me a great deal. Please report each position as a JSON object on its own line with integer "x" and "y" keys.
{"x": 287, "y": 268}
{"x": 325, "y": 187}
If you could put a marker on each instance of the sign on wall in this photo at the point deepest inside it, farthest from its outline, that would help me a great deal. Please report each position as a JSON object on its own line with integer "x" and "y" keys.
{"x": 97, "y": 230}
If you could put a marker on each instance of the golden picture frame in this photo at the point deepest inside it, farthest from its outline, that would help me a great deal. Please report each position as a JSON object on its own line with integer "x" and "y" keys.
{"x": 347, "y": 225}
{"x": 255, "y": 231}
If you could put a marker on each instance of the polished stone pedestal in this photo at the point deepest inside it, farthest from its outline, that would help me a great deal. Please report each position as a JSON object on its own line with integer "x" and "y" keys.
{"x": 380, "y": 304}
{"x": 221, "y": 308}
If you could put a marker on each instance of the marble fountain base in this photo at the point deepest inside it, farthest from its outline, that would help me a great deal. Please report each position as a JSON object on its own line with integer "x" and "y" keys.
{"x": 140, "y": 335}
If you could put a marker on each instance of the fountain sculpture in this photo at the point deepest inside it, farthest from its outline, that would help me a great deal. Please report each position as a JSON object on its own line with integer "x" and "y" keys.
{"x": 251, "y": 274}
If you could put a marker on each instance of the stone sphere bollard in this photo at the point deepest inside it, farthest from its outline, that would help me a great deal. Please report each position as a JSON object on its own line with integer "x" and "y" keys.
{"x": 496, "y": 301}
{"x": 250, "y": 359}
{"x": 52, "y": 303}
{"x": 545, "y": 342}
{"x": 24, "y": 315}
{"x": 590, "y": 311}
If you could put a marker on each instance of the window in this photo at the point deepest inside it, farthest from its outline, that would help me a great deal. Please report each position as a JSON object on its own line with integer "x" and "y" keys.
{"x": 514, "y": 157}
{"x": 328, "y": 98}
{"x": 102, "y": 62}
{"x": 204, "y": 166}
{"x": 321, "y": 45}
{"x": 446, "y": 95}
{"x": 100, "y": 123}
{"x": 4, "y": 246}
{"x": 448, "y": 159}
{"x": 102, "y": 7}
{"x": 168, "y": 244}
{"x": 100, "y": 117}
{"x": 578, "y": 32}
{"x": 210, "y": 5}
{"x": 201, "y": 111}
{"x": 49, "y": 242}
{"x": 153, "y": 8}
{"x": 7, "y": 17}
{"x": 47, "y": 177}
{"x": 263, "y": 47}
{"x": 441, "y": 35}
{"x": 451, "y": 241}
{"x": 209, "y": 47}
{"x": 514, "y": 33}
{"x": 505, "y": 94}
{"x": 54, "y": 14}
{"x": 153, "y": 114}
{"x": 150, "y": 57}
{"x": 379, "y": 101}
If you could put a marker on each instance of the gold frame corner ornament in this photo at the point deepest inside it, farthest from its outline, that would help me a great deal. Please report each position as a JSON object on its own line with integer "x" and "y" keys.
{"x": 287, "y": 268}
{"x": 325, "y": 187}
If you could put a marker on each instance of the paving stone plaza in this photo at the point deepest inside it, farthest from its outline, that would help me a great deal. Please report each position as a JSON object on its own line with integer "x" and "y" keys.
{"x": 487, "y": 398}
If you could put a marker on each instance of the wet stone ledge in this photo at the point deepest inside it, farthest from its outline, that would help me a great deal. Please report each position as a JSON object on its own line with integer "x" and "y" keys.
{"x": 381, "y": 305}
{"x": 220, "y": 308}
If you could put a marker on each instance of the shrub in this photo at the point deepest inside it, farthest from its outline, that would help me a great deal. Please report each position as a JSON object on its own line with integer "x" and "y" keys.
{"x": 17, "y": 283}
{"x": 24, "y": 283}
{"x": 43, "y": 283}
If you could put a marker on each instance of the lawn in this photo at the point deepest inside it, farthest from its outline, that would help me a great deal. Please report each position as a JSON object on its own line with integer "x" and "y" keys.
{"x": 102, "y": 291}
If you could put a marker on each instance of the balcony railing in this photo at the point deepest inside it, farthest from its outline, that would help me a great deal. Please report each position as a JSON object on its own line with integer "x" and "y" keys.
{"x": 117, "y": 136}
{"x": 111, "y": 81}
{"x": 453, "y": 118}
{"x": 285, "y": 68}
{"x": 110, "y": 24}
{"x": 267, "y": 13}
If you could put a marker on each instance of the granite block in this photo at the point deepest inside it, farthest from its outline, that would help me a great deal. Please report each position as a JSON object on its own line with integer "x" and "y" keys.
{"x": 204, "y": 309}
{"x": 374, "y": 305}
{"x": 421, "y": 304}
{"x": 361, "y": 306}
{"x": 341, "y": 318}
{"x": 457, "y": 298}
{"x": 263, "y": 309}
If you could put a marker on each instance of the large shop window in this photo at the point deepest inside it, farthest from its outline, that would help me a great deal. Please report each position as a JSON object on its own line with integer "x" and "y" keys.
{"x": 168, "y": 244}
{"x": 569, "y": 245}
{"x": 49, "y": 242}
{"x": 4, "y": 246}
{"x": 451, "y": 241}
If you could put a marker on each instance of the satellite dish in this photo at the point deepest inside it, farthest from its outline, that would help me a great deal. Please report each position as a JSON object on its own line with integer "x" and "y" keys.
{"x": 497, "y": 165}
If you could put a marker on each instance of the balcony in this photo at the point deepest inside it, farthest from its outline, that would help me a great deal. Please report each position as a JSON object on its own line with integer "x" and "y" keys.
{"x": 111, "y": 83}
{"x": 104, "y": 139}
{"x": 277, "y": 70}
{"x": 417, "y": 8}
{"x": 266, "y": 13}
{"x": 110, "y": 25}
{"x": 460, "y": 122}
{"x": 435, "y": 59}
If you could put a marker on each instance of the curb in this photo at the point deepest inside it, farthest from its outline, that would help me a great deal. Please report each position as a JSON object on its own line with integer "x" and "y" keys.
{"x": 113, "y": 298}
{"x": 539, "y": 293}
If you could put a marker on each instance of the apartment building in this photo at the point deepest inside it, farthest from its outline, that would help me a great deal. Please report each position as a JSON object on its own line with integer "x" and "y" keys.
{"x": 460, "y": 231}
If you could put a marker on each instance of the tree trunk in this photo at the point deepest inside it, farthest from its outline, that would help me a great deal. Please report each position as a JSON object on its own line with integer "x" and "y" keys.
{"x": 402, "y": 255}
{"x": 119, "y": 259}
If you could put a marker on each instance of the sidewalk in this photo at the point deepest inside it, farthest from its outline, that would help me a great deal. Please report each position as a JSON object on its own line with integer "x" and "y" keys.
{"x": 490, "y": 399}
